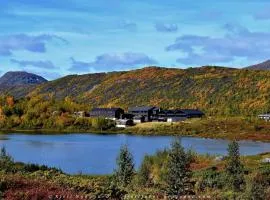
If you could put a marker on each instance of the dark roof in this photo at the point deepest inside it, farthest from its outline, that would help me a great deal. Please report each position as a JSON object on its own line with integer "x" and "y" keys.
{"x": 172, "y": 112}
{"x": 142, "y": 108}
{"x": 192, "y": 111}
{"x": 106, "y": 109}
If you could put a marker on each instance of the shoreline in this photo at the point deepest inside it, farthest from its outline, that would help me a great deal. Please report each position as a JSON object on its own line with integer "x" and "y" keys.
{"x": 226, "y": 136}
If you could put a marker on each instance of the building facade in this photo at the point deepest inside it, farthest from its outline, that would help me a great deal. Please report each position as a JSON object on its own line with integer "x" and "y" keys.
{"x": 110, "y": 113}
{"x": 148, "y": 112}
{"x": 265, "y": 117}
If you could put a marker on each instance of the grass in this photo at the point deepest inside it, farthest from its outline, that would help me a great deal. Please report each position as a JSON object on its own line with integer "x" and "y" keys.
{"x": 232, "y": 128}
{"x": 225, "y": 128}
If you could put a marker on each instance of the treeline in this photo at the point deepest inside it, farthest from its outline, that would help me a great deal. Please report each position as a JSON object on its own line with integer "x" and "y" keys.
{"x": 44, "y": 112}
{"x": 169, "y": 174}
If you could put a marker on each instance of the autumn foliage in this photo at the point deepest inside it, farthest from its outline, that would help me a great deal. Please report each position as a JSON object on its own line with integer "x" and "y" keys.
{"x": 19, "y": 188}
{"x": 215, "y": 90}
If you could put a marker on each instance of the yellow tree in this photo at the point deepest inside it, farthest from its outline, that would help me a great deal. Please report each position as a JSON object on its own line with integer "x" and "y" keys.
{"x": 10, "y": 101}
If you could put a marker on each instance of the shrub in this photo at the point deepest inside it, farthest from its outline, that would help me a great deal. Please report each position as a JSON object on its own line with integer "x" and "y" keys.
{"x": 211, "y": 178}
{"x": 256, "y": 188}
{"x": 145, "y": 172}
{"x": 102, "y": 123}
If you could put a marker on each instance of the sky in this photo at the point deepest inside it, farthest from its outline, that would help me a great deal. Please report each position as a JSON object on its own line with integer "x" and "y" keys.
{"x": 54, "y": 38}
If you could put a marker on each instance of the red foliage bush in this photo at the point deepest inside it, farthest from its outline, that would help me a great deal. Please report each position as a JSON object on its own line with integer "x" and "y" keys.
{"x": 20, "y": 188}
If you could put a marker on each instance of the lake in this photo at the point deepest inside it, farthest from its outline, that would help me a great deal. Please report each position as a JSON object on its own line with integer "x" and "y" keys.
{"x": 96, "y": 154}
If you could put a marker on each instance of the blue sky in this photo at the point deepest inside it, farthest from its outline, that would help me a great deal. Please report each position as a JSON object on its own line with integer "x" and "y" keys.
{"x": 55, "y": 38}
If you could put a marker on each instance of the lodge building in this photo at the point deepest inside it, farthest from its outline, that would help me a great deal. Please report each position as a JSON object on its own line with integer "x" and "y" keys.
{"x": 142, "y": 114}
{"x": 110, "y": 113}
{"x": 265, "y": 117}
{"x": 147, "y": 112}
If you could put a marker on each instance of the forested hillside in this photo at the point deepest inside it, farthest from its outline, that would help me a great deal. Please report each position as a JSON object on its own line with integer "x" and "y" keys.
{"x": 215, "y": 90}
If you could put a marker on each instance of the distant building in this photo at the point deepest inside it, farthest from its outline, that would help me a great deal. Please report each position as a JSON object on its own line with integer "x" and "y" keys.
{"x": 111, "y": 113}
{"x": 127, "y": 116}
{"x": 266, "y": 117}
{"x": 144, "y": 111}
{"x": 192, "y": 113}
{"x": 266, "y": 160}
{"x": 178, "y": 115}
{"x": 123, "y": 123}
{"x": 138, "y": 119}
{"x": 171, "y": 115}
{"x": 142, "y": 114}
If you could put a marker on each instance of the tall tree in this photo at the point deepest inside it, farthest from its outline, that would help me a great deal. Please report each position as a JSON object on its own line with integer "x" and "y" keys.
{"x": 5, "y": 159}
{"x": 178, "y": 174}
{"x": 234, "y": 167}
{"x": 125, "y": 167}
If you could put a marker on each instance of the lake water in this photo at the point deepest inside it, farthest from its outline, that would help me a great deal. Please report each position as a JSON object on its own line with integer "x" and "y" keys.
{"x": 96, "y": 154}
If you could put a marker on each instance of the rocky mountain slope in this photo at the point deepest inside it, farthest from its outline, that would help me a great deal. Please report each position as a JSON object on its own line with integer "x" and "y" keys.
{"x": 261, "y": 66}
{"x": 19, "y": 83}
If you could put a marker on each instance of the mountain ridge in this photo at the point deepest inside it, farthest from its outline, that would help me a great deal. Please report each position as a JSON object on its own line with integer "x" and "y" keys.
{"x": 19, "y": 83}
{"x": 261, "y": 66}
{"x": 13, "y": 78}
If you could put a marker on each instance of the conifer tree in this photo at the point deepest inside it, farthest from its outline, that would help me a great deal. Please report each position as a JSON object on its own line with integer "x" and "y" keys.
{"x": 178, "y": 174}
{"x": 125, "y": 167}
{"x": 234, "y": 168}
{"x": 4, "y": 157}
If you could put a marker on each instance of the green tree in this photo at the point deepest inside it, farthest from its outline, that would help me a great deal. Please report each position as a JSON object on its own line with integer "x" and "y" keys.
{"x": 178, "y": 172}
{"x": 102, "y": 123}
{"x": 4, "y": 155}
{"x": 125, "y": 167}
{"x": 234, "y": 167}
{"x": 5, "y": 159}
{"x": 7, "y": 111}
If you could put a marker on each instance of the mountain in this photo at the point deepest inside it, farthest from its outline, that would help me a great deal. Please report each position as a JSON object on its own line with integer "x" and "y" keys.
{"x": 215, "y": 90}
{"x": 261, "y": 66}
{"x": 19, "y": 83}
{"x": 21, "y": 78}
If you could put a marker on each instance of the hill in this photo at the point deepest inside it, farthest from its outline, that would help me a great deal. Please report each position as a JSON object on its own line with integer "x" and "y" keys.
{"x": 19, "y": 83}
{"x": 261, "y": 66}
{"x": 215, "y": 90}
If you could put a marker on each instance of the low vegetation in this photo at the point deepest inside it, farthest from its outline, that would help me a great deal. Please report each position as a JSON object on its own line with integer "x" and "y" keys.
{"x": 238, "y": 128}
{"x": 43, "y": 113}
{"x": 168, "y": 173}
